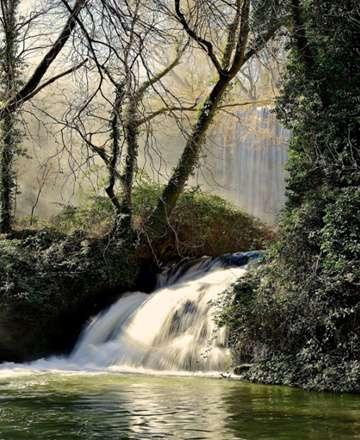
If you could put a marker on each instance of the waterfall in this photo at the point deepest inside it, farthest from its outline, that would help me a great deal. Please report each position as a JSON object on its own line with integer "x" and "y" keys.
{"x": 172, "y": 329}
{"x": 246, "y": 158}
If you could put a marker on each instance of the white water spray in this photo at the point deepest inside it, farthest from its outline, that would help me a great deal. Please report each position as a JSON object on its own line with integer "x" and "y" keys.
{"x": 171, "y": 329}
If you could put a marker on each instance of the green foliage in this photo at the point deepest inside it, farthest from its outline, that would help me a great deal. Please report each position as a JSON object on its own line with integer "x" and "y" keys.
{"x": 201, "y": 224}
{"x": 297, "y": 318}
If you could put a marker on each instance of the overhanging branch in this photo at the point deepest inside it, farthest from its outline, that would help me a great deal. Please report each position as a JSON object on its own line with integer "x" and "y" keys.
{"x": 28, "y": 89}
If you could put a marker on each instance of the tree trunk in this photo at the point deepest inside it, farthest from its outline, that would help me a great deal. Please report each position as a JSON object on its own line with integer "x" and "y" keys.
{"x": 299, "y": 35}
{"x": 9, "y": 135}
{"x": 132, "y": 147}
{"x": 7, "y": 180}
{"x": 115, "y": 150}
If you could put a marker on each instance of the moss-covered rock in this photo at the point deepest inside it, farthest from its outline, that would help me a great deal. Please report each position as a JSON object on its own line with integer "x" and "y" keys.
{"x": 51, "y": 283}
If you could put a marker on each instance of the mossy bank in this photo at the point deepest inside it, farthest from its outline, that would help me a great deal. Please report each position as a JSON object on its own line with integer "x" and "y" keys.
{"x": 50, "y": 283}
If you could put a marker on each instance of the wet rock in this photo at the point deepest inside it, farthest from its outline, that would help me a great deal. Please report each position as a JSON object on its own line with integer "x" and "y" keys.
{"x": 241, "y": 369}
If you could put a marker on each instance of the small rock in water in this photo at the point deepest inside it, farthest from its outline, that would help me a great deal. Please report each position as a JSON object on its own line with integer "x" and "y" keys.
{"x": 241, "y": 369}
{"x": 241, "y": 258}
{"x": 225, "y": 375}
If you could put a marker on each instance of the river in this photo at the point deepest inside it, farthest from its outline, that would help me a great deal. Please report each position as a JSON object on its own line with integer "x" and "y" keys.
{"x": 111, "y": 406}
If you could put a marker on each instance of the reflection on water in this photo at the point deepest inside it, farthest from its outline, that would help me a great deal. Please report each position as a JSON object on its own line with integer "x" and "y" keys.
{"x": 110, "y": 406}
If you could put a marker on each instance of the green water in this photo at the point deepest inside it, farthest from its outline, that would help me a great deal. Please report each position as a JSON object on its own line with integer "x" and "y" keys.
{"x": 114, "y": 406}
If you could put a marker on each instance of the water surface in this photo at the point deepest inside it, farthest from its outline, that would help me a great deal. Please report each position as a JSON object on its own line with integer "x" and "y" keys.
{"x": 35, "y": 405}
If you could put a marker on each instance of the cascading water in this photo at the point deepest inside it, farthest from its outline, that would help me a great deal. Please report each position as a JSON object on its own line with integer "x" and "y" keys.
{"x": 172, "y": 329}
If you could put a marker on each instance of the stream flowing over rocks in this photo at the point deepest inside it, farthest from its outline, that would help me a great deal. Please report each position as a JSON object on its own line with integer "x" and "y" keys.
{"x": 172, "y": 329}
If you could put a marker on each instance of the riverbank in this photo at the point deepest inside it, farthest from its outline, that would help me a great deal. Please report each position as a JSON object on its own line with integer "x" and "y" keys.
{"x": 50, "y": 283}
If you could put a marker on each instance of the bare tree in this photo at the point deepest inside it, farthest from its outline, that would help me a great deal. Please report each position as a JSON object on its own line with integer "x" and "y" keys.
{"x": 120, "y": 37}
{"x": 15, "y": 94}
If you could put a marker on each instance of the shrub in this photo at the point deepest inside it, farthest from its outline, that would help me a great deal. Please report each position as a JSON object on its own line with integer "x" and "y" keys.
{"x": 201, "y": 224}
{"x": 297, "y": 318}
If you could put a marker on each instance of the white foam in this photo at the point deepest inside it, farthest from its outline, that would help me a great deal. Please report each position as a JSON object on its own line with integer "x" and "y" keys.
{"x": 171, "y": 331}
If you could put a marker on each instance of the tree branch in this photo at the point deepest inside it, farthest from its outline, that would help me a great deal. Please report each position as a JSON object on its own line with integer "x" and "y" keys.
{"x": 239, "y": 56}
{"x": 194, "y": 108}
{"x": 163, "y": 110}
{"x": 27, "y": 91}
{"x": 204, "y": 44}
{"x": 231, "y": 36}
{"x": 261, "y": 40}
{"x": 55, "y": 78}
{"x": 156, "y": 78}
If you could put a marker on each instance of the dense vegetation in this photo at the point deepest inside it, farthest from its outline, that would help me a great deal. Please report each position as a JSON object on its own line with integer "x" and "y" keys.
{"x": 50, "y": 283}
{"x": 297, "y": 318}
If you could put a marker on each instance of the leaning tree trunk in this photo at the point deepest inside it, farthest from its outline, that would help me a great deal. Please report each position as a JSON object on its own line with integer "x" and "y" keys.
{"x": 189, "y": 159}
